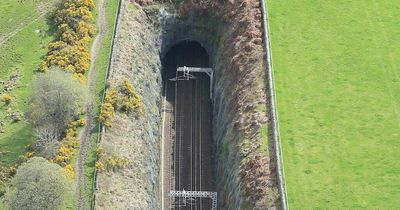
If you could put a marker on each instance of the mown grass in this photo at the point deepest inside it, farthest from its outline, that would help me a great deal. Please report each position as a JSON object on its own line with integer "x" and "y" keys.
{"x": 338, "y": 92}
{"x": 99, "y": 83}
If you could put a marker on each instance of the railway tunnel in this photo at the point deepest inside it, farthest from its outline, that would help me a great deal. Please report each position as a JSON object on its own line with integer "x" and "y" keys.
{"x": 186, "y": 141}
{"x": 187, "y": 117}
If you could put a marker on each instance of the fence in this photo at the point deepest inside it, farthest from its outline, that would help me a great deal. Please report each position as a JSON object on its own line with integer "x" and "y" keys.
{"x": 100, "y": 127}
{"x": 274, "y": 113}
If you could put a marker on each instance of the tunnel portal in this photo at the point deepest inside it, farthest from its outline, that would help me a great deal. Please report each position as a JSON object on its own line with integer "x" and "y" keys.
{"x": 187, "y": 127}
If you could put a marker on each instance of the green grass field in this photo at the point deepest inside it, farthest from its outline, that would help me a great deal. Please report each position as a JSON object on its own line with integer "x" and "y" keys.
{"x": 337, "y": 77}
{"x": 14, "y": 13}
{"x": 21, "y": 55}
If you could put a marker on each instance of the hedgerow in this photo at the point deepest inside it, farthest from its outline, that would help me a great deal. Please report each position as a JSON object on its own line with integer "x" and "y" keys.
{"x": 75, "y": 30}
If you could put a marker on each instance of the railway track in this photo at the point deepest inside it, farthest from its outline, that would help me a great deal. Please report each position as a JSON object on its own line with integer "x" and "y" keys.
{"x": 188, "y": 137}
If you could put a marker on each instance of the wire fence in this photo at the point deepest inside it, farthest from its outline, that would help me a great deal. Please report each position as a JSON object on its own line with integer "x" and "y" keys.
{"x": 274, "y": 113}
{"x": 100, "y": 127}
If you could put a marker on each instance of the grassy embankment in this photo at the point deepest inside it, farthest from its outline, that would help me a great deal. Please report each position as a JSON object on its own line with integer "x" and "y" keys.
{"x": 338, "y": 91}
{"x": 99, "y": 82}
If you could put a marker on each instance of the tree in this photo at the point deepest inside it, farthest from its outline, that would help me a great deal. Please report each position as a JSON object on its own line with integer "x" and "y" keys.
{"x": 47, "y": 141}
{"x": 37, "y": 185}
{"x": 56, "y": 99}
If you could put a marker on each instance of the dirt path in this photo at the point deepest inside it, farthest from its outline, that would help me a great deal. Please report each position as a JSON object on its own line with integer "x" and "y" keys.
{"x": 86, "y": 133}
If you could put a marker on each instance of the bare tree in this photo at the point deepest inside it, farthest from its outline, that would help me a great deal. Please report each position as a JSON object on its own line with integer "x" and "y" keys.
{"x": 47, "y": 140}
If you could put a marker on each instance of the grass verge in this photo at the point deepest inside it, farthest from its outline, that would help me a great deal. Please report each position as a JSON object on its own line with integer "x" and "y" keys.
{"x": 101, "y": 66}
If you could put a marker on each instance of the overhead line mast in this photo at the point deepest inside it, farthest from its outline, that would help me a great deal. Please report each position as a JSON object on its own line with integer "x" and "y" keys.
{"x": 187, "y": 76}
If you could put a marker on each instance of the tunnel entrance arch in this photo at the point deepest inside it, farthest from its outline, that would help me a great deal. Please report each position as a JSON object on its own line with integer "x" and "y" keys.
{"x": 187, "y": 126}
{"x": 186, "y": 52}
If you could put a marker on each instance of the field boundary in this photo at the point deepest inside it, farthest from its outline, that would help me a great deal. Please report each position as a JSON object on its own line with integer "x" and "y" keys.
{"x": 101, "y": 128}
{"x": 274, "y": 112}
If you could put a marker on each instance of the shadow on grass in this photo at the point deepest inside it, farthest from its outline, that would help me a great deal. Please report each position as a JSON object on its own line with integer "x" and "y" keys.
{"x": 52, "y": 26}
{"x": 15, "y": 143}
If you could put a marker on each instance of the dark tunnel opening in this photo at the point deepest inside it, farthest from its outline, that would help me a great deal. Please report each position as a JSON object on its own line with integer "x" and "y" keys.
{"x": 187, "y": 117}
{"x": 185, "y": 53}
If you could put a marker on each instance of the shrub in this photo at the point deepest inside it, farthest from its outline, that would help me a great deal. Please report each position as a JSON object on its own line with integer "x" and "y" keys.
{"x": 75, "y": 29}
{"x": 56, "y": 99}
{"x": 100, "y": 151}
{"x": 47, "y": 141}
{"x": 68, "y": 145}
{"x": 110, "y": 162}
{"x": 38, "y": 184}
{"x": 82, "y": 122}
{"x": 64, "y": 155}
{"x": 108, "y": 107}
{"x": 26, "y": 156}
{"x": 124, "y": 99}
{"x": 131, "y": 101}
{"x": 116, "y": 162}
{"x": 69, "y": 170}
{"x": 6, "y": 98}
{"x": 106, "y": 114}
{"x": 100, "y": 166}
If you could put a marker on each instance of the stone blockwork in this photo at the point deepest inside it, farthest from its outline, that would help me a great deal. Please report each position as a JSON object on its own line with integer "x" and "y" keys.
{"x": 231, "y": 32}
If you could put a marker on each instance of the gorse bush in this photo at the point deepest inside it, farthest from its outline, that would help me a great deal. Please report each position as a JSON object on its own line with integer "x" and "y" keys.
{"x": 108, "y": 107}
{"x": 100, "y": 166}
{"x": 123, "y": 98}
{"x": 131, "y": 101}
{"x": 69, "y": 144}
{"x": 75, "y": 30}
{"x": 110, "y": 162}
{"x": 6, "y": 98}
{"x": 69, "y": 170}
